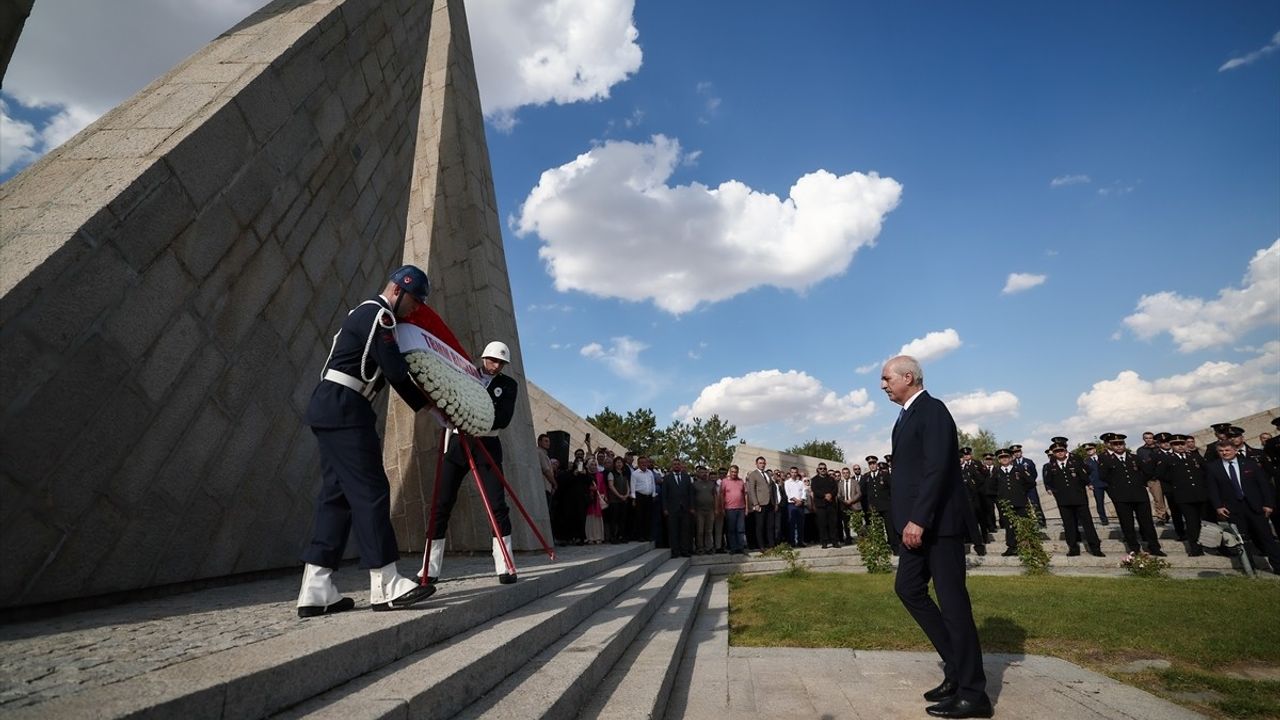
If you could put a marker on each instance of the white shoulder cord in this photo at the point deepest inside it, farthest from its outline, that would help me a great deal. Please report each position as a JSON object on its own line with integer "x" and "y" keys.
{"x": 368, "y": 344}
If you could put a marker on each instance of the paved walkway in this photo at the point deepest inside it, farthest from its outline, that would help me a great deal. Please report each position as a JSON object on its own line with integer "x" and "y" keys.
{"x": 716, "y": 681}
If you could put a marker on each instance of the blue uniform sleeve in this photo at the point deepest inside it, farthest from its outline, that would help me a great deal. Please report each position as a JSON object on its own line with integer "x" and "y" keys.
{"x": 386, "y": 352}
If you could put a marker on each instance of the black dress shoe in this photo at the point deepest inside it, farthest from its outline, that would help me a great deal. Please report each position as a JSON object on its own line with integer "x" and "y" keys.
{"x": 1195, "y": 552}
{"x": 416, "y": 595}
{"x": 507, "y": 578}
{"x": 944, "y": 691}
{"x": 1009, "y": 553}
{"x": 1073, "y": 552}
{"x": 1097, "y": 552}
{"x": 980, "y": 549}
{"x": 959, "y": 708}
{"x": 1158, "y": 552}
{"x": 342, "y": 605}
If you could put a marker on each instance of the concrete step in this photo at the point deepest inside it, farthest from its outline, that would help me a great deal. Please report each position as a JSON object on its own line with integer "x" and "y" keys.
{"x": 639, "y": 684}
{"x": 556, "y": 683}
{"x": 440, "y": 681}
{"x": 302, "y": 658}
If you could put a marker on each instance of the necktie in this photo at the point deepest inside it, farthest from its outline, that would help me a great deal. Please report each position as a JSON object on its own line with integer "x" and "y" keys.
{"x": 1231, "y": 470}
{"x": 901, "y": 412}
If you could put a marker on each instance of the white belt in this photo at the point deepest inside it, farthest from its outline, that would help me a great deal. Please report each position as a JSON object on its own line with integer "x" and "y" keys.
{"x": 488, "y": 433}
{"x": 350, "y": 381}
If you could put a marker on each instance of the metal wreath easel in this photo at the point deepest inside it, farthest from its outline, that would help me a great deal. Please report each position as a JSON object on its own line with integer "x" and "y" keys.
{"x": 484, "y": 497}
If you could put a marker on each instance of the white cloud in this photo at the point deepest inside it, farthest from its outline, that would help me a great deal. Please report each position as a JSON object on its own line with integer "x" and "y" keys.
{"x": 710, "y": 102}
{"x": 971, "y": 410}
{"x": 622, "y": 358}
{"x": 612, "y": 207}
{"x": 870, "y": 367}
{"x": 554, "y": 51}
{"x": 933, "y": 345}
{"x": 768, "y": 396}
{"x": 1195, "y": 323}
{"x": 1018, "y": 282}
{"x": 550, "y": 307}
{"x": 1253, "y": 56}
{"x": 19, "y": 140}
{"x": 526, "y": 53}
{"x": 1064, "y": 180}
{"x": 1213, "y": 392}
{"x": 1117, "y": 188}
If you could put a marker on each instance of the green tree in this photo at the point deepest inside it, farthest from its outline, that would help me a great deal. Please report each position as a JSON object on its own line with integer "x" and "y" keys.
{"x": 825, "y": 449}
{"x": 982, "y": 442}
{"x": 637, "y": 430}
{"x": 676, "y": 441}
{"x": 713, "y": 441}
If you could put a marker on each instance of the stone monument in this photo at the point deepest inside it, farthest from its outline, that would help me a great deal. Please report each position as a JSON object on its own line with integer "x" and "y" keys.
{"x": 171, "y": 276}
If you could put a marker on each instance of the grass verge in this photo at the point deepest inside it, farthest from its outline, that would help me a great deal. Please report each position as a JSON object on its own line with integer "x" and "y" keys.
{"x": 1205, "y": 628}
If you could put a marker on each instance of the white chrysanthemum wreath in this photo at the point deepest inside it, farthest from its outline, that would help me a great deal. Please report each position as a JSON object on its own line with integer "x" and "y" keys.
{"x": 464, "y": 402}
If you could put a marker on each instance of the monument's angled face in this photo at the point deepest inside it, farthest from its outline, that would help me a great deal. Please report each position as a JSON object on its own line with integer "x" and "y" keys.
{"x": 170, "y": 278}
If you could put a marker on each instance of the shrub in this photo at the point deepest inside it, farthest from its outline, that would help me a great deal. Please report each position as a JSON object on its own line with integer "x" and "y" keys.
{"x": 1144, "y": 564}
{"x": 795, "y": 566}
{"x": 874, "y": 547}
{"x": 1026, "y": 528}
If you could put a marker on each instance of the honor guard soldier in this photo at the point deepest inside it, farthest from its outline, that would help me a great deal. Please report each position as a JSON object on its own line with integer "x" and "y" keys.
{"x": 1067, "y": 479}
{"x": 502, "y": 390}
{"x": 1127, "y": 487}
{"x": 355, "y": 494}
{"x": 878, "y": 494}
{"x": 1012, "y": 484}
{"x": 1183, "y": 475}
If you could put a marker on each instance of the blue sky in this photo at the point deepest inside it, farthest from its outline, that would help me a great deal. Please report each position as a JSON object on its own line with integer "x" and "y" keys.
{"x": 1128, "y": 153}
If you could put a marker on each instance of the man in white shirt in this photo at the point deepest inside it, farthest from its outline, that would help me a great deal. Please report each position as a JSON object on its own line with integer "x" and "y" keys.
{"x": 644, "y": 483}
{"x": 797, "y": 501}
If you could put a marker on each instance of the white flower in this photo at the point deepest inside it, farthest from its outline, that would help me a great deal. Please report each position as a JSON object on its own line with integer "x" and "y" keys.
{"x": 462, "y": 399}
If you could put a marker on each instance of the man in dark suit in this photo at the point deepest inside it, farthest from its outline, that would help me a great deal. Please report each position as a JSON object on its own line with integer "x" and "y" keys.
{"x": 932, "y": 512}
{"x": 1241, "y": 494}
{"x": 677, "y": 507}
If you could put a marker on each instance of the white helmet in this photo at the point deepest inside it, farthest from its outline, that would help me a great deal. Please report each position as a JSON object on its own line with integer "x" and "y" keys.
{"x": 497, "y": 351}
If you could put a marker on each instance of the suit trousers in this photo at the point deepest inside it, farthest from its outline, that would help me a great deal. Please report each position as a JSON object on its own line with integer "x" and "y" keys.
{"x": 1192, "y": 514}
{"x": 763, "y": 526}
{"x": 1033, "y": 496}
{"x": 1010, "y": 536}
{"x": 1126, "y": 513}
{"x": 1100, "y": 500}
{"x": 680, "y": 531}
{"x": 893, "y": 536}
{"x": 354, "y": 494}
{"x": 642, "y": 518}
{"x": 949, "y": 624}
{"x": 1255, "y": 526}
{"x": 1157, "y": 499}
{"x": 828, "y": 527}
{"x": 795, "y": 524}
{"x": 1075, "y": 517}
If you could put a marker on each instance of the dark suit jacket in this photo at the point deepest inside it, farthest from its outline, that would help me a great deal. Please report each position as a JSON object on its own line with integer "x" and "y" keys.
{"x": 677, "y": 497}
{"x": 1258, "y": 493}
{"x": 927, "y": 486}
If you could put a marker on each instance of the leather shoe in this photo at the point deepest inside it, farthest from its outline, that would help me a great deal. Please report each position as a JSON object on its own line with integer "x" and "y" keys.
{"x": 416, "y": 595}
{"x": 980, "y": 549}
{"x": 957, "y": 707}
{"x": 1158, "y": 552}
{"x": 1009, "y": 553}
{"x": 1097, "y": 552}
{"x": 308, "y": 611}
{"x": 944, "y": 691}
{"x": 1073, "y": 552}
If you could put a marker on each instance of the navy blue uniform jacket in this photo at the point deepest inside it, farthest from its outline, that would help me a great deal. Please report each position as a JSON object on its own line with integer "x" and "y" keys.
{"x": 928, "y": 488}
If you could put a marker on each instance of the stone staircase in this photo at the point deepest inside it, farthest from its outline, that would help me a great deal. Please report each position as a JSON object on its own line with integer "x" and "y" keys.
{"x": 601, "y": 633}
{"x": 598, "y": 634}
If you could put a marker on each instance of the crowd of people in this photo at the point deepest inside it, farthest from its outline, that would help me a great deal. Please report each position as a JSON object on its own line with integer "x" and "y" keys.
{"x": 601, "y": 497}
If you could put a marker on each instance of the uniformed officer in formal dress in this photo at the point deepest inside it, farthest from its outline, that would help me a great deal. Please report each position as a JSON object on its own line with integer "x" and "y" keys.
{"x": 1183, "y": 474}
{"x": 1221, "y": 433}
{"x": 1010, "y": 483}
{"x": 502, "y": 390}
{"x": 355, "y": 494}
{"x": 1164, "y": 451}
{"x": 1029, "y": 466}
{"x": 975, "y": 482}
{"x": 1067, "y": 479}
{"x": 1127, "y": 488}
{"x": 878, "y": 494}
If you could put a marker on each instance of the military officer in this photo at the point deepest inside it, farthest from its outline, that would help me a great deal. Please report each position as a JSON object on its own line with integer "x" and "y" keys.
{"x": 878, "y": 494}
{"x": 1067, "y": 479}
{"x": 502, "y": 391}
{"x": 1010, "y": 483}
{"x": 1182, "y": 473}
{"x": 1029, "y": 467}
{"x": 975, "y": 482}
{"x": 355, "y": 493}
{"x": 1089, "y": 451}
{"x": 1127, "y": 487}
{"x": 1221, "y": 432}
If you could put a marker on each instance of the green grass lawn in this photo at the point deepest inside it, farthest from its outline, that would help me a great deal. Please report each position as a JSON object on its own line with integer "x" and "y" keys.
{"x": 1205, "y": 628}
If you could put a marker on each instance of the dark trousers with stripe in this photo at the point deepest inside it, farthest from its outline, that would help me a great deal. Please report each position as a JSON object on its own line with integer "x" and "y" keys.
{"x": 354, "y": 495}
{"x": 456, "y": 468}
